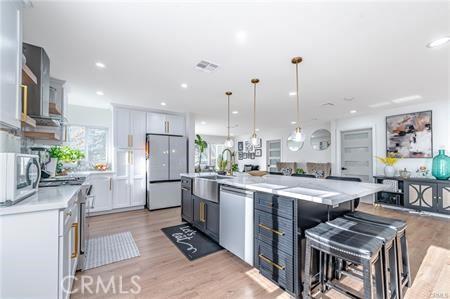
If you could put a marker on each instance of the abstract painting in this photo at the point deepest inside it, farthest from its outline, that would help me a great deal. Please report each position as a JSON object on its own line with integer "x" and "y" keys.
{"x": 410, "y": 135}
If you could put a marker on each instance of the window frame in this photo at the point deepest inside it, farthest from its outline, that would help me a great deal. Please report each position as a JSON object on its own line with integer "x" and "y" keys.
{"x": 108, "y": 138}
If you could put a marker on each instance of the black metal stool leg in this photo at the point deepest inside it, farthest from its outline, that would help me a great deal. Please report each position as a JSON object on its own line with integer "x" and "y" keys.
{"x": 379, "y": 278}
{"x": 393, "y": 271}
{"x": 405, "y": 260}
{"x": 367, "y": 280}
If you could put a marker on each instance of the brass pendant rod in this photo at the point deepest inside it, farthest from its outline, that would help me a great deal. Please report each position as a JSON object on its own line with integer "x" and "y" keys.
{"x": 228, "y": 93}
{"x": 254, "y": 81}
{"x": 298, "y": 97}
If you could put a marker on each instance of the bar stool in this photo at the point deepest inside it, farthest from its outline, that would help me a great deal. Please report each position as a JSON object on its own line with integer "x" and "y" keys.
{"x": 389, "y": 250}
{"x": 351, "y": 247}
{"x": 404, "y": 270}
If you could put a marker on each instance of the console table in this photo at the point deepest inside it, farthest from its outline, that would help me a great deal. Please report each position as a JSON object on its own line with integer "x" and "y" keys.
{"x": 421, "y": 194}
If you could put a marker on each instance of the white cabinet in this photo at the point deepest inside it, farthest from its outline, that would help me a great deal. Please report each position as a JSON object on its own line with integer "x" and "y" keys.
{"x": 129, "y": 128}
{"x": 100, "y": 199}
{"x": 159, "y": 123}
{"x": 11, "y": 63}
{"x": 121, "y": 193}
{"x": 137, "y": 179}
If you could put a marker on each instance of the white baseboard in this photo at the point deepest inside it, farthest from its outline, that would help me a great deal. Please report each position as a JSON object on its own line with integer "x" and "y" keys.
{"x": 116, "y": 211}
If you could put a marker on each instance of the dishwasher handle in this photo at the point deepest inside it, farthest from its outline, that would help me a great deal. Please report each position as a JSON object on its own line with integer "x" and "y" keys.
{"x": 237, "y": 191}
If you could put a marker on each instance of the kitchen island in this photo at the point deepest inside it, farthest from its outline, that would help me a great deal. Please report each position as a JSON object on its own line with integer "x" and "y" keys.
{"x": 282, "y": 208}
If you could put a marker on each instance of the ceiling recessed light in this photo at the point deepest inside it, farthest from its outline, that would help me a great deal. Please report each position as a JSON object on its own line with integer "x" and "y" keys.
{"x": 380, "y": 104}
{"x": 235, "y": 112}
{"x": 241, "y": 36}
{"x": 292, "y": 93}
{"x": 163, "y": 104}
{"x": 353, "y": 111}
{"x": 184, "y": 85}
{"x": 293, "y": 122}
{"x": 439, "y": 42}
{"x": 100, "y": 65}
{"x": 257, "y": 130}
{"x": 100, "y": 93}
{"x": 203, "y": 123}
{"x": 407, "y": 99}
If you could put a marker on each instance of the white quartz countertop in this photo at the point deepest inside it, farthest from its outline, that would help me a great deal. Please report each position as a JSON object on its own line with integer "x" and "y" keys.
{"x": 329, "y": 192}
{"x": 87, "y": 173}
{"x": 48, "y": 198}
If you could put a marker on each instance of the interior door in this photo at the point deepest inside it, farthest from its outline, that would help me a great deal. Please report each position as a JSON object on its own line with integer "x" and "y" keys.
{"x": 177, "y": 157}
{"x": 158, "y": 158}
{"x": 356, "y": 154}
{"x": 273, "y": 154}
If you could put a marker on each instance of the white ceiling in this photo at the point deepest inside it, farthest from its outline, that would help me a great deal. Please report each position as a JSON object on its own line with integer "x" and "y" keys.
{"x": 371, "y": 52}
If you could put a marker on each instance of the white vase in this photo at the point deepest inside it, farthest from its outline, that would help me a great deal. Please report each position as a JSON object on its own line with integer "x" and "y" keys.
{"x": 389, "y": 171}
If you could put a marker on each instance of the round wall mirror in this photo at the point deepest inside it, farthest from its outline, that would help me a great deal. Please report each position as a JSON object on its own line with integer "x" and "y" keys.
{"x": 294, "y": 145}
{"x": 320, "y": 140}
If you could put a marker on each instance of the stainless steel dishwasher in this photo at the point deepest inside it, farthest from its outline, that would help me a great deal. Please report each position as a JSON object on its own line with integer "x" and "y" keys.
{"x": 236, "y": 222}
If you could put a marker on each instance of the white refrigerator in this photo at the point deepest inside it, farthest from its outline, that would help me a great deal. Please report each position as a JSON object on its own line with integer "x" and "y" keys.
{"x": 166, "y": 160}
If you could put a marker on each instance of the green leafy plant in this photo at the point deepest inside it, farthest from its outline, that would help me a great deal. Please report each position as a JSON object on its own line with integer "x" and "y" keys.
{"x": 299, "y": 171}
{"x": 66, "y": 153}
{"x": 235, "y": 167}
{"x": 202, "y": 145}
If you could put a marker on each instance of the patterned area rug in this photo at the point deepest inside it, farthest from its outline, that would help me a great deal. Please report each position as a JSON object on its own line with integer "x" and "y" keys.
{"x": 110, "y": 249}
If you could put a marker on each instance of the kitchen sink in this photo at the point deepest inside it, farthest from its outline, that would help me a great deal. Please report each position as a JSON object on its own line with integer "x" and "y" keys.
{"x": 207, "y": 187}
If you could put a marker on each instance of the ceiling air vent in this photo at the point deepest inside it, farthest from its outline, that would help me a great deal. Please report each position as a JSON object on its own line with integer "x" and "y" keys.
{"x": 206, "y": 66}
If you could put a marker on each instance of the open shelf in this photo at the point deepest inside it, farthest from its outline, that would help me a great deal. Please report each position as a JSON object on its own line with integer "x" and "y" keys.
{"x": 41, "y": 135}
{"x": 28, "y": 78}
{"x": 54, "y": 109}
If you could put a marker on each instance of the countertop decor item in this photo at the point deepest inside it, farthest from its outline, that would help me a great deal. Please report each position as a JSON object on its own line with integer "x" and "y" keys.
{"x": 441, "y": 166}
{"x": 68, "y": 158}
{"x": 254, "y": 140}
{"x": 410, "y": 135}
{"x": 257, "y": 173}
{"x": 229, "y": 143}
{"x": 405, "y": 173}
{"x": 389, "y": 162}
{"x": 296, "y": 139}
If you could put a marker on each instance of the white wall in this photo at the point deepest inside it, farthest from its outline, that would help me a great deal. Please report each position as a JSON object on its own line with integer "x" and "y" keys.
{"x": 89, "y": 116}
{"x": 377, "y": 121}
{"x": 306, "y": 154}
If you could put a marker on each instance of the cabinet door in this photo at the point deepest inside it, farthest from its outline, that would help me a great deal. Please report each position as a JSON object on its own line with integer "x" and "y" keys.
{"x": 443, "y": 205}
{"x": 137, "y": 178}
{"x": 121, "y": 193}
{"x": 421, "y": 196}
{"x": 11, "y": 63}
{"x": 138, "y": 126}
{"x": 101, "y": 193}
{"x": 187, "y": 206}
{"x": 197, "y": 213}
{"x": 122, "y": 130}
{"x": 176, "y": 125}
{"x": 212, "y": 217}
{"x": 156, "y": 123}
{"x": 121, "y": 163}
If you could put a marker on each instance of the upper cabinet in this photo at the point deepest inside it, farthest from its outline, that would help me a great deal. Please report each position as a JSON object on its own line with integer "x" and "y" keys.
{"x": 11, "y": 66}
{"x": 158, "y": 123}
{"x": 129, "y": 128}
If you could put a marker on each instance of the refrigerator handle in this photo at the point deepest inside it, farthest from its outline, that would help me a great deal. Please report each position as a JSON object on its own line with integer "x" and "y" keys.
{"x": 147, "y": 150}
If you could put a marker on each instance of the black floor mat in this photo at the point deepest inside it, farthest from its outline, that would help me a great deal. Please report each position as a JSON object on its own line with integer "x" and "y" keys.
{"x": 191, "y": 242}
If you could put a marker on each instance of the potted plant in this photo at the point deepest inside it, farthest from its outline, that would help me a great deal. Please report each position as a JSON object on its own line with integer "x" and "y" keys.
{"x": 68, "y": 158}
{"x": 389, "y": 162}
{"x": 202, "y": 145}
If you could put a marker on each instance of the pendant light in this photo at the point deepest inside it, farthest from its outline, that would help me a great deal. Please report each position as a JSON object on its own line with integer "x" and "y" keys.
{"x": 254, "y": 139}
{"x": 297, "y": 135}
{"x": 229, "y": 143}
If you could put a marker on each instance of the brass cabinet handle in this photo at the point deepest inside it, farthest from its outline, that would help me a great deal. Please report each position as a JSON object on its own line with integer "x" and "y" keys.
{"x": 75, "y": 251}
{"x": 280, "y": 233}
{"x": 271, "y": 263}
{"x": 168, "y": 127}
{"x": 202, "y": 212}
{"x": 132, "y": 141}
{"x": 25, "y": 102}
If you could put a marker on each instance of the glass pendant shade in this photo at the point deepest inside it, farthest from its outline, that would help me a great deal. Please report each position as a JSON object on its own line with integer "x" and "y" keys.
{"x": 229, "y": 143}
{"x": 441, "y": 166}
{"x": 297, "y": 135}
{"x": 254, "y": 140}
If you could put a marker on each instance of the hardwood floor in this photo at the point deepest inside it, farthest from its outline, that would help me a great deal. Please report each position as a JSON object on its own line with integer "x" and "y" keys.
{"x": 164, "y": 272}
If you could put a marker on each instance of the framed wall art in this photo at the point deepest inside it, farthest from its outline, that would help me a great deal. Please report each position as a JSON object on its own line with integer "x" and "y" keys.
{"x": 410, "y": 135}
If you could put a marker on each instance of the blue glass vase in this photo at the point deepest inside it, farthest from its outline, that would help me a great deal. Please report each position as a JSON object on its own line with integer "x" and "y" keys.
{"x": 441, "y": 166}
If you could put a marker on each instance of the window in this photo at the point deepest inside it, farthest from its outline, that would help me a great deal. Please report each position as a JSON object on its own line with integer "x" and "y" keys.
{"x": 210, "y": 155}
{"x": 93, "y": 141}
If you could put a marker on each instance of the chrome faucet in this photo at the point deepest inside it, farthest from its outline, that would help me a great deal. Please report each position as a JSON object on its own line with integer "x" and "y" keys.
{"x": 229, "y": 169}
